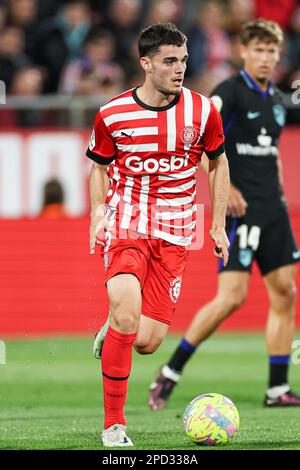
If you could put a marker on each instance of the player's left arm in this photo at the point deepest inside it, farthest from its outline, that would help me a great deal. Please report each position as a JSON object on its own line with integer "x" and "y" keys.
{"x": 219, "y": 181}
{"x": 204, "y": 164}
{"x": 280, "y": 177}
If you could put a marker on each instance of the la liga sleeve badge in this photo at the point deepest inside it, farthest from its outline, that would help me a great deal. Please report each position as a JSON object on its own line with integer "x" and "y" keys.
{"x": 92, "y": 141}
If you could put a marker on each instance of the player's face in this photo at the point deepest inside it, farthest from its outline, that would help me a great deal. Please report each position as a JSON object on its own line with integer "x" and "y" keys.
{"x": 260, "y": 58}
{"x": 166, "y": 69}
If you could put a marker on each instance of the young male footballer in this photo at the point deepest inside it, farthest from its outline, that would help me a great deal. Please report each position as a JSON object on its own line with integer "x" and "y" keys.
{"x": 146, "y": 145}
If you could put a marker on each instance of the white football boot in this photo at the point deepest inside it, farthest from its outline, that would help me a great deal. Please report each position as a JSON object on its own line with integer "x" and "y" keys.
{"x": 99, "y": 339}
{"x": 115, "y": 436}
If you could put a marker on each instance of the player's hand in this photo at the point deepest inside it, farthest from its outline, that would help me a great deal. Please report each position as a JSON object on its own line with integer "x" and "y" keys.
{"x": 221, "y": 244}
{"x": 98, "y": 226}
{"x": 237, "y": 206}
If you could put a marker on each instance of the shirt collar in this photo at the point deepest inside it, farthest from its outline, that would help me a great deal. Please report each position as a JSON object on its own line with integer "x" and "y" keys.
{"x": 253, "y": 85}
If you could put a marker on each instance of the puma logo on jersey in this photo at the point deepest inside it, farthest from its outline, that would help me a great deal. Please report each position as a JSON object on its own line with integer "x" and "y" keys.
{"x": 127, "y": 135}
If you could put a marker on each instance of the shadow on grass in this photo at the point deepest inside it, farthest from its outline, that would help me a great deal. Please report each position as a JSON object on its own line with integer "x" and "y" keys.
{"x": 49, "y": 417}
{"x": 84, "y": 440}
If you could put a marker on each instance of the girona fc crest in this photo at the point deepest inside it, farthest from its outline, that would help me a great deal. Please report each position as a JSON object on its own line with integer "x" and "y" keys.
{"x": 175, "y": 287}
{"x": 188, "y": 135}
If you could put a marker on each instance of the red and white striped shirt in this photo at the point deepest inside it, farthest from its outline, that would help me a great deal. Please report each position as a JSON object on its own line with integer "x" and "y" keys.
{"x": 153, "y": 155}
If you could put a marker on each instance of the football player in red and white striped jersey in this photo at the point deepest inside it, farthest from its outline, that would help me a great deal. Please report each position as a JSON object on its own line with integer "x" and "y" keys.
{"x": 146, "y": 146}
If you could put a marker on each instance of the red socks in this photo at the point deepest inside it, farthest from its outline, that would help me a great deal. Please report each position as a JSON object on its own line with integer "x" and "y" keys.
{"x": 116, "y": 365}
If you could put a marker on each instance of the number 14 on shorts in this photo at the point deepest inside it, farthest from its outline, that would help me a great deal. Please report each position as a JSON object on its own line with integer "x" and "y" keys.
{"x": 248, "y": 237}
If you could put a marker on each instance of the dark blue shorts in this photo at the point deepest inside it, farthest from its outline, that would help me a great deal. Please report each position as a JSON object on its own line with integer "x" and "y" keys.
{"x": 264, "y": 237}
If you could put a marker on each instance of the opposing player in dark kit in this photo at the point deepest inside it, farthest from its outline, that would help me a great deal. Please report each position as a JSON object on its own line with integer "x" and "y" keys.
{"x": 258, "y": 223}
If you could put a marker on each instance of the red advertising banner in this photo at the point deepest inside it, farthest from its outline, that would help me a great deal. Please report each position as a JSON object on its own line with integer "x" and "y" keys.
{"x": 49, "y": 283}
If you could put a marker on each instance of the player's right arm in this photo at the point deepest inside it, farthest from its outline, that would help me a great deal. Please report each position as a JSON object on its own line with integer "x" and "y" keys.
{"x": 225, "y": 101}
{"x": 102, "y": 151}
{"x": 218, "y": 178}
{"x": 99, "y": 186}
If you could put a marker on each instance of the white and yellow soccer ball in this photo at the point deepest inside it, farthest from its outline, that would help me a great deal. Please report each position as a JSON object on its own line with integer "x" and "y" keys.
{"x": 211, "y": 419}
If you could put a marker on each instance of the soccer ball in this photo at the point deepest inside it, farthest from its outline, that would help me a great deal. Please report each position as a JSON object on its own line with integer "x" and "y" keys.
{"x": 211, "y": 419}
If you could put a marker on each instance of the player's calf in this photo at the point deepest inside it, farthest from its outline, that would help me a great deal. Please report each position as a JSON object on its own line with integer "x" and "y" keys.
{"x": 150, "y": 335}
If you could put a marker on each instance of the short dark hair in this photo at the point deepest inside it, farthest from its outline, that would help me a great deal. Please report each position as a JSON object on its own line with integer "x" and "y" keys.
{"x": 157, "y": 35}
{"x": 263, "y": 30}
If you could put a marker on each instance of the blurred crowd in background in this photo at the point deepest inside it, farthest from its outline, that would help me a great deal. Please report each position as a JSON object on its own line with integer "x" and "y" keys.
{"x": 88, "y": 48}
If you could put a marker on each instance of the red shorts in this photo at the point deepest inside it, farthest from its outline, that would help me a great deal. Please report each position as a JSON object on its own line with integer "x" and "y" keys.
{"x": 159, "y": 266}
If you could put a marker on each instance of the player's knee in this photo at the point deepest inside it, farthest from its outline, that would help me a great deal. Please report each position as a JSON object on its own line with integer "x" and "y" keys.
{"x": 144, "y": 348}
{"x": 232, "y": 301}
{"x": 124, "y": 320}
{"x": 287, "y": 291}
{"x": 237, "y": 301}
{"x": 292, "y": 293}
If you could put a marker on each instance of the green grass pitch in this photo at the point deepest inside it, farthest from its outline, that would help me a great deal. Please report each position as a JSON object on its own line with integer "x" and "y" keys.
{"x": 50, "y": 395}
